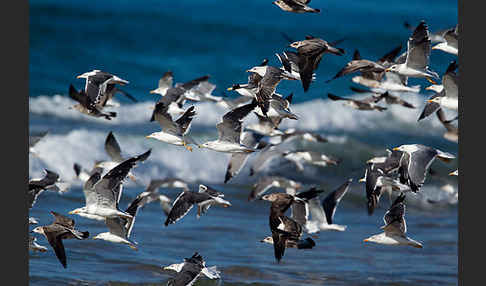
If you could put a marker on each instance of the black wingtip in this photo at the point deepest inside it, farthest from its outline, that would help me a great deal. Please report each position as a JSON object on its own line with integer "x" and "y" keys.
{"x": 77, "y": 169}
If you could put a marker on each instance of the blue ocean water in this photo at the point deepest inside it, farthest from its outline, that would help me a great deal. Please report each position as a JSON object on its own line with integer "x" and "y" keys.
{"x": 139, "y": 41}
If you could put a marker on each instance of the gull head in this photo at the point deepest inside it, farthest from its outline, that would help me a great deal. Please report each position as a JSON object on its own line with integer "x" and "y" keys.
{"x": 38, "y": 229}
{"x": 258, "y": 70}
{"x": 435, "y": 99}
{"x": 296, "y": 45}
{"x": 393, "y": 68}
{"x": 435, "y": 87}
{"x": 77, "y": 211}
{"x": 377, "y": 238}
{"x": 270, "y": 197}
{"x": 267, "y": 239}
{"x": 409, "y": 148}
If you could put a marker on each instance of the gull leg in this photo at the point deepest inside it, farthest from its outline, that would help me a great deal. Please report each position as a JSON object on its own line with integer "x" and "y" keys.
{"x": 431, "y": 80}
{"x": 187, "y": 146}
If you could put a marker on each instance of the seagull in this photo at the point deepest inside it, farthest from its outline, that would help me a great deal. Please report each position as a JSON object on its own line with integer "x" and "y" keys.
{"x": 393, "y": 99}
{"x": 278, "y": 109}
{"x": 120, "y": 228}
{"x": 61, "y": 228}
{"x": 265, "y": 155}
{"x": 322, "y": 212}
{"x": 165, "y": 82}
{"x": 102, "y": 194}
{"x": 415, "y": 162}
{"x": 293, "y": 134}
{"x": 310, "y": 52}
{"x": 265, "y": 183}
{"x": 238, "y": 160}
{"x": 284, "y": 228}
{"x": 271, "y": 77}
{"x": 87, "y": 104}
{"x": 450, "y": 44}
{"x": 50, "y": 182}
{"x": 190, "y": 270}
{"x": 34, "y": 138}
{"x": 173, "y": 132}
{"x": 368, "y": 69}
{"x": 251, "y": 88}
{"x": 229, "y": 131}
{"x": 100, "y": 86}
{"x": 295, "y": 6}
{"x": 395, "y": 228}
{"x": 266, "y": 126}
{"x": 378, "y": 182}
{"x": 33, "y": 246}
{"x": 449, "y": 97}
{"x": 455, "y": 173}
{"x": 368, "y": 103}
{"x": 311, "y": 157}
{"x": 452, "y": 133}
{"x": 290, "y": 63}
{"x": 418, "y": 53}
{"x": 151, "y": 193}
{"x": 187, "y": 199}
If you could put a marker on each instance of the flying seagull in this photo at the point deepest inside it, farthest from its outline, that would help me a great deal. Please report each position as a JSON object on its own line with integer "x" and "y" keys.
{"x": 251, "y": 88}
{"x": 87, "y": 105}
{"x": 292, "y": 134}
{"x": 265, "y": 183}
{"x": 190, "y": 270}
{"x": 50, "y": 181}
{"x": 100, "y": 86}
{"x": 278, "y": 109}
{"x": 451, "y": 41}
{"x": 271, "y": 77}
{"x": 368, "y": 69}
{"x": 266, "y": 126}
{"x": 173, "y": 132}
{"x": 368, "y": 103}
{"x": 295, "y": 6}
{"x": 452, "y": 133}
{"x": 290, "y": 63}
{"x": 187, "y": 199}
{"x": 395, "y": 228}
{"x": 102, "y": 194}
{"x": 310, "y": 52}
{"x": 61, "y": 228}
{"x": 151, "y": 193}
{"x": 33, "y": 246}
{"x": 120, "y": 228}
{"x": 322, "y": 212}
{"x": 238, "y": 160}
{"x": 415, "y": 162}
{"x": 418, "y": 53}
{"x": 449, "y": 97}
{"x": 229, "y": 131}
{"x": 298, "y": 157}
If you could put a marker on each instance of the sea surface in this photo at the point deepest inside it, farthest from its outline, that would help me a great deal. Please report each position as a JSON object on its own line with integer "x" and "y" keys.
{"x": 139, "y": 41}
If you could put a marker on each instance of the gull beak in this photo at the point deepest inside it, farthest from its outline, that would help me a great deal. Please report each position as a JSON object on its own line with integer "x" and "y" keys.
{"x": 387, "y": 70}
{"x": 396, "y": 149}
{"x": 431, "y": 80}
{"x": 229, "y": 88}
{"x": 152, "y": 91}
{"x": 79, "y": 76}
{"x": 366, "y": 240}
{"x": 430, "y": 100}
{"x": 148, "y": 137}
{"x": 71, "y": 212}
{"x": 428, "y": 87}
{"x": 133, "y": 247}
{"x": 362, "y": 180}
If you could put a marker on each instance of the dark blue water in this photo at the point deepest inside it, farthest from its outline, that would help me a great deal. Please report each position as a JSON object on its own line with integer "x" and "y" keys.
{"x": 139, "y": 41}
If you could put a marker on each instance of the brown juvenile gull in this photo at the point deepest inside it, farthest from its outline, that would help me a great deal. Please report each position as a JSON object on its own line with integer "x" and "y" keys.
{"x": 61, "y": 228}
{"x": 368, "y": 103}
{"x": 368, "y": 69}
{"x": 285, "y": 230}
{"x": 190, "y": 270}
{"x": 278, "y": 109}
{"x": 173, "y": 132}
{"x": 295, "y": 6}
{"x": 102, "y": 194}
{"x": 386, "y": 96}
{"x": 415, "y": 162}
{"x": 395, "y": 228}
{"x": 187, "y": 199}
{"x": 290, "y": 63}
{"x": 310, "y": 52}
{"x": 50, "y": 182}
{"x": 229, "y": 131}
{"x": 418, "y": 53}
{"x": 298, "y": 157}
